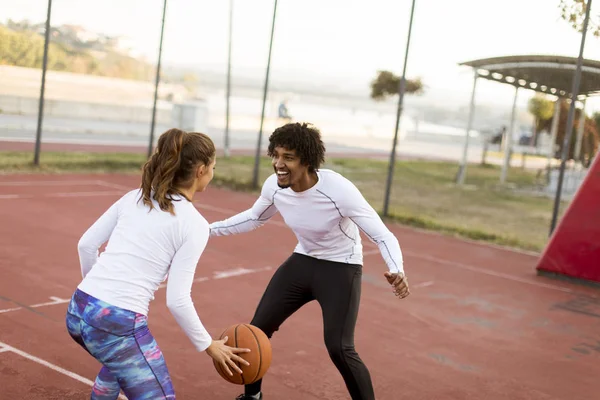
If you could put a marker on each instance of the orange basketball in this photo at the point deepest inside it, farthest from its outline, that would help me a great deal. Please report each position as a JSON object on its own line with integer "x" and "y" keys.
{"x": 247, "y": 336}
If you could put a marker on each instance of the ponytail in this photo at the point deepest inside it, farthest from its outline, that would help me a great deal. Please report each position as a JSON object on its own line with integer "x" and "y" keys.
{"x": 173, "y": 165}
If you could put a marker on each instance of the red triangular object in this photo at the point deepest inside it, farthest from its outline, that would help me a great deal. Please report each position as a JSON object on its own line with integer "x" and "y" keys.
{"x": 574, "y": 247}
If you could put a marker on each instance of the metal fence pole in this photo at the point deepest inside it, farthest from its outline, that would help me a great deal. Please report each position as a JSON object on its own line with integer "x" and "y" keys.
{"x": 153, "y": 123}
{"x": 228, "y": 92}
{"x": 570, "y": 118}
{"x": 262, "y": 116}
{"x": 401, "y": 91}
{"x": 508, "y": 139}
{"x": 462, "y": 170}
{"x": 38, "y": 134}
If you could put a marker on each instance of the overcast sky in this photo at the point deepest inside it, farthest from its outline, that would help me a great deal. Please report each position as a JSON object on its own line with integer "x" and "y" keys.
{"x": 339, "y": 38}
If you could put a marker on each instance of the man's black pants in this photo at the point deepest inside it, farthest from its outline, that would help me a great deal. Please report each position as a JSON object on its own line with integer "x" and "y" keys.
{"x": 337, "y": 288}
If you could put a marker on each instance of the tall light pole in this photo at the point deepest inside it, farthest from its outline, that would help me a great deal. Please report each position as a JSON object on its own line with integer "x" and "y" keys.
{"x": 38, "y": 134}
{"x": 401, "y": 91}
{"x": 157, "y": 80}
{"x": 569, "y": 129}
{"x": 228, "y": 94}
{"x": 262, "y": 116}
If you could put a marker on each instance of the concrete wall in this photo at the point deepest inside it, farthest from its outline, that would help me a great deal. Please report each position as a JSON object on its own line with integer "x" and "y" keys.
{"x": 25, "y": 82}
{"x": 85, "y": 110}
{"x": 80, "y": 96}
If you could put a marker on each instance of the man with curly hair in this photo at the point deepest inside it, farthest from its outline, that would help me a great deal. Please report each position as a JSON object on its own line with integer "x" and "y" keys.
{"x": 325, "y": 211}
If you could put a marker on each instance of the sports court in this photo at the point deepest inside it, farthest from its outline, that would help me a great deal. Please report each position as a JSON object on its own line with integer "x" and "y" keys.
{"x": 479, "y": 324}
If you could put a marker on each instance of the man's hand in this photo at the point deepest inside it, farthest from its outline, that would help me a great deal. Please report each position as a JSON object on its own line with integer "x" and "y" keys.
{"x": 399, "y": 282}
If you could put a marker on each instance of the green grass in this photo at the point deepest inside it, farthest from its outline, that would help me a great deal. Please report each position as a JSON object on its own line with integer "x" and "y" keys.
{"x": 423, "y": 194}
{"x": 71, "y": 162}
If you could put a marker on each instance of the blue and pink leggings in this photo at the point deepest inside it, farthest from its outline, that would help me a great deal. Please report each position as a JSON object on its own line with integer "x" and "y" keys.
{"x": 121, "y": 341}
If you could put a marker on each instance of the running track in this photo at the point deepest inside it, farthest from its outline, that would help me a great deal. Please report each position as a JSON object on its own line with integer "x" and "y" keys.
{"x": 479, "y": 323}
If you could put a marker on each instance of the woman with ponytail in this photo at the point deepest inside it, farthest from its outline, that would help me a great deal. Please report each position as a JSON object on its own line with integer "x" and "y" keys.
{"x": 152, "y": 232}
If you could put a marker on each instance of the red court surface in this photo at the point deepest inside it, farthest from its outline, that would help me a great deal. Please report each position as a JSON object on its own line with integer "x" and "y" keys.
{"x": 479, "y": 324}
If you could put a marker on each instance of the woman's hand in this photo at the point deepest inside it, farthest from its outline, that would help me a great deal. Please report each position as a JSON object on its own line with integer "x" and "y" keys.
{"x": 226, "y": 356}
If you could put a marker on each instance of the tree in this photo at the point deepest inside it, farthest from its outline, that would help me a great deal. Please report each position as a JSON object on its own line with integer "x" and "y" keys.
{"x": 573, "y": 12}
{"x": 22, "y": 45}
{"x": 542, "y": 109}
{"x": 387, "y": 84}
{"x": 596, "y": 118}
{"x": 591, "y": 134}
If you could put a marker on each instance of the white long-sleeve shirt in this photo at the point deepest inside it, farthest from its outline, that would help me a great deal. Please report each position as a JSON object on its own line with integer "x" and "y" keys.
{"x": 145, "y": 247}
{"x": 325, "y": 219}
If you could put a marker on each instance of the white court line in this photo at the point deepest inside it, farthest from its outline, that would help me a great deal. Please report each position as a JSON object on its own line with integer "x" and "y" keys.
{"x": 423, "y": 284}
{"x": 113, "y": 185}
{"x": 83, "y": 194}
{"x": 5, "y": 347}
{"x": 216, "y": 275}
{"x": 238, "y": 272}
{"x": 47, "y": 183}
{"x": 370, "y": 244}
{"x": 55, "y": 300}
{"x": 201, "y": 279}
{"x": 375, "y": 251}
{"x": 10, "y": 309}
{"x": 227, "y": 274}
{"x": 46, "y": 364}
{"x": 475, "y": 242}
{"x": 60, "y": 194}
{"x": 477, "y": 270}
{"x": 425, "y": 257}
{"x": 371, "y": 252}
{"x": 489, "y": 272}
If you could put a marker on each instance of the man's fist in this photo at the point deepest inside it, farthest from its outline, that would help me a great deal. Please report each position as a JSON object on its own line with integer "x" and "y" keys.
{"x": 399, "y": 282}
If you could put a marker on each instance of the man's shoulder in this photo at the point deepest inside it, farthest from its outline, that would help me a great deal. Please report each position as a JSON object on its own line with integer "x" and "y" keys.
{"x": 270, "y": 184}
{"x": 337, "y": 186}
{"x": 335, "y": 180}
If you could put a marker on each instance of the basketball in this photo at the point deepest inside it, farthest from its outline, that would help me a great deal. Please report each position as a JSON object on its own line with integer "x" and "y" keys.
{"x": 247, "y": 336}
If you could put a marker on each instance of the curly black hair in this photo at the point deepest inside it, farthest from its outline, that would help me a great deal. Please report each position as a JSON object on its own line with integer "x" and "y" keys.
{"x": 304, "y": 139}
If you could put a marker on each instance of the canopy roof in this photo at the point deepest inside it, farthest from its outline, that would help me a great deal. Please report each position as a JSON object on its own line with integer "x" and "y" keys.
{"x": 546, "y": 74}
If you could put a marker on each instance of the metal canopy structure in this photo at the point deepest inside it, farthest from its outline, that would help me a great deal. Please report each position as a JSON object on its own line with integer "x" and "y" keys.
{"x": 542, "y": 73}
{"x": 548, "y": 74}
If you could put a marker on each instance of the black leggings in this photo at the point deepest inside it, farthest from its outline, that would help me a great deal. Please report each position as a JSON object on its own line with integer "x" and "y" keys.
{"x": 337, "y": 287}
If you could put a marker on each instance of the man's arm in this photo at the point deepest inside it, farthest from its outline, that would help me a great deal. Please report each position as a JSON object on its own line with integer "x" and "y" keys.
{"x": 260, "y": 212}
{"x": 353, "y": 205}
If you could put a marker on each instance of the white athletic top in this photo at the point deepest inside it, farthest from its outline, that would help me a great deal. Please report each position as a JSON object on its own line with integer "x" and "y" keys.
{"x": 325, "y": 219}
{"x": 144, "y": 247}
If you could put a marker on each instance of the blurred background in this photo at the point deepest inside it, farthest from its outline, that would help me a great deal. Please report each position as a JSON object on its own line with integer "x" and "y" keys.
{"x": 336, "y": 64}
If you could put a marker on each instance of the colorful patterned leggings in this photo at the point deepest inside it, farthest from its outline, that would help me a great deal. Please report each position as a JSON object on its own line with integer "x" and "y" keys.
{"x": 121, "y": 341}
